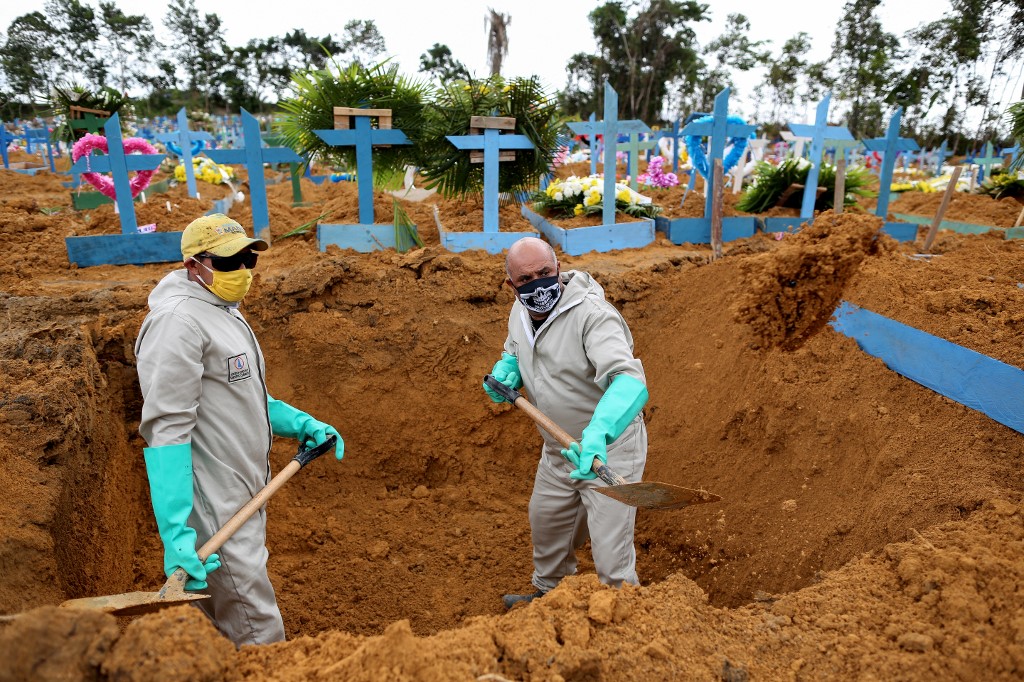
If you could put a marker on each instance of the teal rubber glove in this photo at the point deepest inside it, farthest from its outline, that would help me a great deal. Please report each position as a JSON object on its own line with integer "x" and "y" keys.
{"x": 169, "y": 468}
{"x": 618, "y": 407}
{"x": 290, "y": 422}
{"x": 506, "y": 371}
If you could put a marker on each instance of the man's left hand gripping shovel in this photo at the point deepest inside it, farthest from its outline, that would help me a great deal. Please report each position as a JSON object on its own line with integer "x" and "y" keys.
{"x": 173, "y": 592}
{"x": 645, "y": 495}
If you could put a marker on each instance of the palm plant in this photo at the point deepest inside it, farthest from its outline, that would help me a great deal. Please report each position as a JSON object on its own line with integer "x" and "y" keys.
{"x": 1016, "y": 116}
{"x": 315, "y": 93}
{"x": 771, "y": 181}
{"x": 71, "y": 94}
{"x": 449, "y": 169}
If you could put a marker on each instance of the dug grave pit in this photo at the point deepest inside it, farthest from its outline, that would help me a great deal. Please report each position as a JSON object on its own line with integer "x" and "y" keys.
{"x": 820, "y": 454}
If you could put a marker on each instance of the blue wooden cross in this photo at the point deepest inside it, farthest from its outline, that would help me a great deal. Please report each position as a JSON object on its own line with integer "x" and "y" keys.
{"x": 718, "y": 129}
{"x": 184, "y": 138}
{"x": 253, "y": 155}
{"x": 820, "y": 133}
{"x": 675, "y": 134}
{"x": 990, "y": 159}
{"x": 493, "y": 143}
{"x": 633, "y": 148}
{"x": 6, "y": 138}
{"x": 889, "y": 146}
{"x": 941, "y": 154}
{"x": 364, "y": 138}
{"x": 1014, "y": 153}
{"x": 41, "y": 136}
{"x": 131, "y": 246}
{"x": 590, "y": 129}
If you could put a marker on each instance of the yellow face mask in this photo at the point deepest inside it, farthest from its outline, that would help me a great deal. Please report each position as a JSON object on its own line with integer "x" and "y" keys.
{"x": 230, "y": 286}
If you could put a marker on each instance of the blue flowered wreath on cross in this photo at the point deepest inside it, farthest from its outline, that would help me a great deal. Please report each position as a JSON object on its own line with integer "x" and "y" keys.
{"x": 699, "y": 156}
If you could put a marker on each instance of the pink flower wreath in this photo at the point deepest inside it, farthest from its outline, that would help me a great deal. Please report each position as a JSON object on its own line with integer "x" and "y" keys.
{"x": 89, "y": 142}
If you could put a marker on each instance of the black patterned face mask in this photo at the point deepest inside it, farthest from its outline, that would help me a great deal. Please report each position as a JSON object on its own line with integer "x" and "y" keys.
{"x": 540, "y": 295}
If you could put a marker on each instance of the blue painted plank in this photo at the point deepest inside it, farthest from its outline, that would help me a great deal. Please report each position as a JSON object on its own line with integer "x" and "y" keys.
{"x": 363, "y": 238}
{"x": 124, "y": 249}
{"x": 784, "y": 223}
{"x": 698, "y": 230}
{"x": 970, "y": 378}
{"x": 963, "y": 228}
{"x": 491, "y": 242}
{"x": 901, "y": 232}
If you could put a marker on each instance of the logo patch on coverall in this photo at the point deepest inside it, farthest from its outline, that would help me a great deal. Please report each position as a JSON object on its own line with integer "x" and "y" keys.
{"x": 238, "y": 368}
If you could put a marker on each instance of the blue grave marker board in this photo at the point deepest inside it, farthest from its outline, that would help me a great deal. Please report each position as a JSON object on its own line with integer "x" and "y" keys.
{"x": 352, "y": 128}
{"x": 609, "y": 235}
{"x": 131, "y": 247}
{"x": 675, "y": 134}
{"x": 698, "y": 230}
{"x": 183, "y": 139}
{"x": 819, "y": 134}
{"x": 253, "y": 155}
{"x": 966, "y": 376}
{"x": 889, "y": 146}
{"x": 485, "y": 134}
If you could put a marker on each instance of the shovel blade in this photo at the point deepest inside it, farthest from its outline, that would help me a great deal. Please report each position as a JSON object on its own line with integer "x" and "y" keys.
{"x": 132, "y": 603}
{"x": 652, "y": 495}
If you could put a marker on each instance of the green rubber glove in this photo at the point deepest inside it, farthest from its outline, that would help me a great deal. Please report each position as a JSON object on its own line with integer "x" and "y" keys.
{"x": 290, "y": 422}
{"x": 618, "y": 407}
{"x": 506, "y": 371}
{"x": 169, "y": 468}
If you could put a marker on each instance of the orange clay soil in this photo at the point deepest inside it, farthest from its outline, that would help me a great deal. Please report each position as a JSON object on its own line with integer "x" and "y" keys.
{"x": 868, "y": 527}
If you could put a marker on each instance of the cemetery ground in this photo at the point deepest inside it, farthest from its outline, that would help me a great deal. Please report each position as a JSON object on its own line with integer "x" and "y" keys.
{"x": 868, "y": 528}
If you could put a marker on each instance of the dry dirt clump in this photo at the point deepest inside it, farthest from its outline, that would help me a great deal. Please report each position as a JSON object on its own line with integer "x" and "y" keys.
{"x": 175, "y": 645}
{"x": 50, "y": 643}
{"x": 790, "y": 293}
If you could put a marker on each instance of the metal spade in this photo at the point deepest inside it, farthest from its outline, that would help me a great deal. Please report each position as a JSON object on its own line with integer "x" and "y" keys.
{"x": 173, "y": 592}
{"x": 644, "y": 495}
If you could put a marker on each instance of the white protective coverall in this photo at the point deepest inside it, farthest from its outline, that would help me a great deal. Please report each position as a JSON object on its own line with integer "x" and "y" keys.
{"x": 202, "y": 377}
{"x": 566, "y": 365}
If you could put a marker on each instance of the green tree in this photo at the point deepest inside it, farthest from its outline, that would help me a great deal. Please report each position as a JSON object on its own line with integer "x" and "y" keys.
{"x": 28, "y": 58}
{"x": 76, "y": 40}
{"x": 863, "y": 55}
{"x": 129, "y": 45}
{"x": 791, "y": 81}
{"x": 643, "y": 48}
{"x": 439, "y": 64}
{"x": 732, "y": 51}
{"x": 198, "y": 45}
{"x": 361, "y": 42}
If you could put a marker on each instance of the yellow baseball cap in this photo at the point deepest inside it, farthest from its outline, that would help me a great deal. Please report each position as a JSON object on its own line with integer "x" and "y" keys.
{"x": 217, "y": 234}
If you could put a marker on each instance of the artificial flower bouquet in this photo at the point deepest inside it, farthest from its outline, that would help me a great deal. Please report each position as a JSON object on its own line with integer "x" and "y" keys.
{"x": 576, "y": 196}
{"x": 655, "y": 175}
{"x": 206, "y": 170}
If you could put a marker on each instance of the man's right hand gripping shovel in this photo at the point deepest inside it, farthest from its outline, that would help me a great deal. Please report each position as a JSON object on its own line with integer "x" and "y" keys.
{"x": 645, "y": 495}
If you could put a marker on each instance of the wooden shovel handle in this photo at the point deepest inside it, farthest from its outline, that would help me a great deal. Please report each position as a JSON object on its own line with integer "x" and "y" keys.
{"x": 177, "y": 579}
{"x": 545, "y": 422}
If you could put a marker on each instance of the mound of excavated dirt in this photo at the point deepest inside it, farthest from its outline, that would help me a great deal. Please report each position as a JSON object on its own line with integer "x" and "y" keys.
{"x": 791, "y": 292}
{"x": 868, "y": 528}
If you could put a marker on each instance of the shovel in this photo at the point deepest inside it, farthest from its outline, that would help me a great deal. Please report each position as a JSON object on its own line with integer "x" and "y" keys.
{"x": 173, "y": 592}
{"x": 644, "y": 495}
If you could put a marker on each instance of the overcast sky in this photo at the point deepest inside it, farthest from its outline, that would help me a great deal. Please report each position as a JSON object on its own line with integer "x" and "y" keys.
{"x": 543, "y": 34}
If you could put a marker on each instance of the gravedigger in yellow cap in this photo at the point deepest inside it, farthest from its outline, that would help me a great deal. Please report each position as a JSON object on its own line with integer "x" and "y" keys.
{"x": 209, "y": 421}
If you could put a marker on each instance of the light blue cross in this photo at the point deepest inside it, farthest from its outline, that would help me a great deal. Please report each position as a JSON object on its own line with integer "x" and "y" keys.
{"x": 118, "y": 164}
{"x": 363, "y": 138}
{"x": 492, "y": 142}
{"x": 889, "y": 146}
{"x": 820, "y": 133}
{"x": 183, "y": 138}
{"x": 253, "y": 155}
